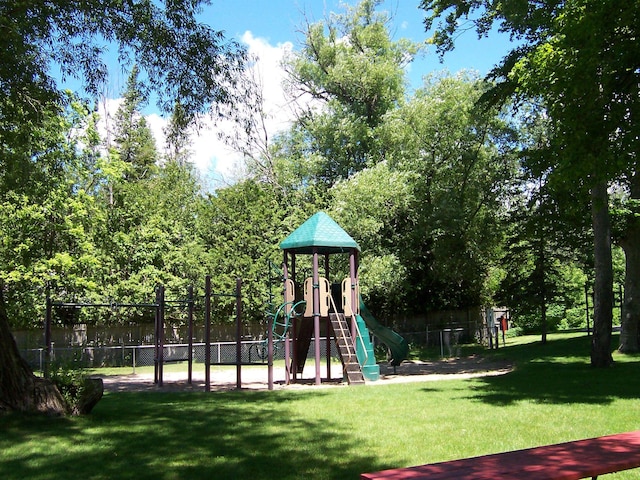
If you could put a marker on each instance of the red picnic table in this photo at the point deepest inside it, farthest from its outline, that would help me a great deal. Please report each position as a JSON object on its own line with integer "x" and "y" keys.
{"x": 563, "y": 461}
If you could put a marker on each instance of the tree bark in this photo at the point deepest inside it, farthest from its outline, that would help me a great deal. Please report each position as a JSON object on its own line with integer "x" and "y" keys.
{"x": 603, "y": 287}
{"x": 20, "y": 389}
{"x": 630, "y": 317}
{"x": 92, "y": 390}
{"x": 630, "y": 243}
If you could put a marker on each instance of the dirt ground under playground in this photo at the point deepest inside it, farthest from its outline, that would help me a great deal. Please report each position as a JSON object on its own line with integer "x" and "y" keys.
{"x": 224, "y": 378}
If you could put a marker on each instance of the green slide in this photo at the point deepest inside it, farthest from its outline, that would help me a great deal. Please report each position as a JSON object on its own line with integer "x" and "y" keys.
{"x": 397, "y": 345}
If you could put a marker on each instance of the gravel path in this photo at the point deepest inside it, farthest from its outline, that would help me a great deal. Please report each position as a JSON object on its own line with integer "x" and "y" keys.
{"x": 224, "y": 378}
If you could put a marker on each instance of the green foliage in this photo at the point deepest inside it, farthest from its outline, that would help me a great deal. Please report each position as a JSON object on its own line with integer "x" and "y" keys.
{"x": 55, "y": 182}
{"x": 83, "y": 226}
{"x": 350, "y": 64}
{"x": 543, "y": 280}
{"x": 419, "y": 182}
{"x": 181, "y": 58}
{"x": 134, "y": 142}
{"x": 374, "y": 204}
{"x": 241, "y": 227}
{"x": 47, "y": 218}
{"x": 434, "y": 204}
{"x": 70, "y": 381}
{"x": 422, "y": 182}
{"x": 580, "y": 60}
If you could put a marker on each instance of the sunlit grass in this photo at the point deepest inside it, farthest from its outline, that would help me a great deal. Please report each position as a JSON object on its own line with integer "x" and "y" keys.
{"x": 552, "y": 395}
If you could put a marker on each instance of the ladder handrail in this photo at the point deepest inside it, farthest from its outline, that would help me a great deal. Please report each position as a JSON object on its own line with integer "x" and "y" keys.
{"x": 358, "y": 335}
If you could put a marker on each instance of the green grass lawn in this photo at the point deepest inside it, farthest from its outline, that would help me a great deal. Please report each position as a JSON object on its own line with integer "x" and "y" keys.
{"x": 553, "y": 395}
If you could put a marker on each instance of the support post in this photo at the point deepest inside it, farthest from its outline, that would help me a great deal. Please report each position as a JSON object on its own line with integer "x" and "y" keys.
{"x": 328, "y": 345}
{"x": 287, "y": 351}
{"x": 294, "y": 329}
{"x": 161, "y": 331}
{"x": 238, "y": 333}
{"x": 190, "y": 333}
{"x": 316, "y": 314}
{"x": 207, "y": 333}
{"x": 47, "y": 337}
{"x": 156, "y": 339}
{"x": 287, "y": 359}
{"x": 270, "y": 353}
{"x": 328, "y": 322}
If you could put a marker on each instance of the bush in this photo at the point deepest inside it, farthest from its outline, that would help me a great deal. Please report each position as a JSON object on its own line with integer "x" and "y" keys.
{"x": 70, "y": 382}
{"x": 80, "y": 393}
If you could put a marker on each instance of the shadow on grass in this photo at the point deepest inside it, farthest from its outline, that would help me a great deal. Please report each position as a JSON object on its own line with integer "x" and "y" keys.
{"x": 559, "y": 372}
{"x": 183, "y": 436}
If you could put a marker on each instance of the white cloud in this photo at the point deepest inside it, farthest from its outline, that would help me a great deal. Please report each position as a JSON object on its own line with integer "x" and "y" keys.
{"x": 157, "y": 124}
{"x": 269, "y": 71}
{"x": 216, "y": 162}
{"x": 107, "y": 109}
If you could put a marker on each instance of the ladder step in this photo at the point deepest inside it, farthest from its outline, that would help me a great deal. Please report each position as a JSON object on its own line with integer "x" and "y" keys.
{"x": 350, "y": 365}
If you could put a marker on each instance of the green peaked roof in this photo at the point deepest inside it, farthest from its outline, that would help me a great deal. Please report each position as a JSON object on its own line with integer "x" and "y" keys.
{"x": 321, "y": 232}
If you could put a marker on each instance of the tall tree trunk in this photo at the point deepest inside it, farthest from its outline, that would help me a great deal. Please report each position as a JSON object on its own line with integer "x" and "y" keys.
{"x": 630, "y": 243}
{"x": 630, "y": 317}
{"x": 543, "y": 287}
{"x": 603, "y": 288}
{"x": 20, "y": 389}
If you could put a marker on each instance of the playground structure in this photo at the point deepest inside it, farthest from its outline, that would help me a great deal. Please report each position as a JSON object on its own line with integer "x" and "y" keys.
{"x": 305, "y": 307}
{"x": 166, "y": 353}
{"x": 339, "y": 307}
{"x": 158, "y": 306}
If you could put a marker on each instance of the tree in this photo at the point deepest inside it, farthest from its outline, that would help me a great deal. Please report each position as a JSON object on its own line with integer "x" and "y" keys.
{"x": 579, "y": 57}
{"x": 133, "y": 139}
{"x": 351, "y": 67}
{"x": 626, "y": 215}
{"x": 378, "y": 206}
{"x": 416, "y": 179}
{"x": 16, "y": 378}
{"x": 47, "y": 216}
{"x": 241, "y": 227}
{"x": 461, "y": 168}
{"x": 148, "y": 236}
{"x": 183, "y": 61}
{"x": 181, "y": 58}
{"x": 178, "y": 138}
{"x": 546, "y": 234}
{"x": 250, "y": 133}
{"x": 536, "y": 258}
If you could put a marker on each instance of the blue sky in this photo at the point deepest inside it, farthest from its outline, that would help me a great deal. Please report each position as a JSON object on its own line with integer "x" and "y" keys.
{"x": 279, "y": 21}
{"x": 271, "y": 27}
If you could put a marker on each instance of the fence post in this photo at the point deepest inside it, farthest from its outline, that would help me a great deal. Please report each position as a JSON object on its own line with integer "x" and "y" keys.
{"x": 270, "y": 351}
{"x": 161, "y": 328}
{"x": 238, "y": 333}
{"x": 47, "y": 338}
{"x": 156, "y": 339}
{"x": 207, "y": 333}
{"x": 190, "y": 315}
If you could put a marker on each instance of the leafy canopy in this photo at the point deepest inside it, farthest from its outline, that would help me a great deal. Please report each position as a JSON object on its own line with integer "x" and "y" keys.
{"x": 183, "y": 60}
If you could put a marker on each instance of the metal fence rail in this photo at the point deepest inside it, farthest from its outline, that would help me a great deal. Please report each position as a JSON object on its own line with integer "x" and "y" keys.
{"x": 222, "y": 353}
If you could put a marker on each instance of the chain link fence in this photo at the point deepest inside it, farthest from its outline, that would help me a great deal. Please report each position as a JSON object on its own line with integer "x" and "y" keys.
{"x": 222, "y": 353}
